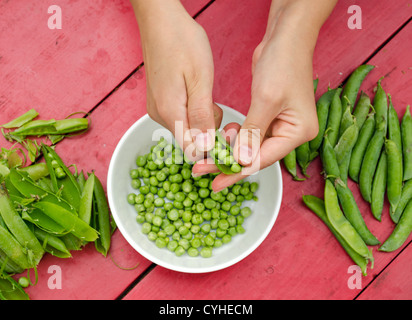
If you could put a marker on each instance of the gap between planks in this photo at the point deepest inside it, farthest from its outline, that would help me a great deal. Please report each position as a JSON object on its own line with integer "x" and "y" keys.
{"x": 153, "y": 265}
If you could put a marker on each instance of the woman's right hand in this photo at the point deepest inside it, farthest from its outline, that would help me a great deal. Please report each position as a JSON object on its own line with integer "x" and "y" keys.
{"x": 179, "y": 73}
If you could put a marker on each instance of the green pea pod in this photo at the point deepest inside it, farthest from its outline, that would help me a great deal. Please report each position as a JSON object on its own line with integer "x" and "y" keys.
{"x": 394, "y": 127}
{"x": 8, "y": 265}
{"x": 346, "y": 143}
{"x": 353, "y": 214}
{"x": 70, "y": 190}
{"x": 81, "y": 180}
{"x": 103, "y": 218}
{"x": 322, "y": 109}
{"x": 13, "y": 249}
{"x": 329, "y": 162}
{"x": 11, "y": 290}
{"x": 346, "y": 121}
{"x": 358, "y": 152}
{"x": 369, "y": 163}
{"x": 69, "y": 221}
{"x": 405, "y": 197}
{"x": 379, "y": 186}
{"x": 52, "y": 244}
{"x": 65, "y": 126}
{"x": 43, "y": 222}
{"x": 36, "y": 127}
{"x": 18, "y": 228}
{"x": 380, "y": 104}
{"x": 341, "y": 224}
{"x": 334, "y": 118}
{"x": 21, "y": 120}
{"x": 401, "y": 232}
{"x": 290, "y": 164}
{"x": 36, "y": 171}
{"x": 362, "y": 109}
{"x": 226, "y": 168}
{"x": 317, "y": 206}
{"x": 85, "y": 210}
{"x": 352, "y": 86}
{"x": 395, "y": 175}
{"x": 406, "y": 131}
{"x": 303, "y": 156}
{"x": 27, "y": 188}
{"x": 346, "y": 198}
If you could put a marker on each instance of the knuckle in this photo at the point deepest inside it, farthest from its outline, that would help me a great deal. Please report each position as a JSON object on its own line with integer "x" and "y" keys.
{"x": 200, "y": 115}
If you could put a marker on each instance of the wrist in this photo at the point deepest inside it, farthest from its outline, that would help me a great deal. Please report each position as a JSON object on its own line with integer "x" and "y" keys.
{"x": 153, "y": 11}
{"x": 300, "y": 20}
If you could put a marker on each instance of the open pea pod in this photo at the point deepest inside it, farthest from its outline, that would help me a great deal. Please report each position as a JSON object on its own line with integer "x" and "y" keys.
{"x": 11, "y": 290}
{"x": 62, "y": 178}
{"x": 226, "y": 164}
{"x": 51, "y": 127}
{"x": 21, "y": 120}
{"x": 66, "y": 219}
{"x": 21, "y": 185}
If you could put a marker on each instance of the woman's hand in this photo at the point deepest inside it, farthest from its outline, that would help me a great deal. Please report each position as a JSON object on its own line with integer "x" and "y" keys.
{"x": 179, "y": 73}
{"x": 282, "y": 113}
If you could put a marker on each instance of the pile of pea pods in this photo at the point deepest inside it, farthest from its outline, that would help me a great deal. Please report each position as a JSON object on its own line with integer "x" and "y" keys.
{"x": 368, "y": 144}
{"x": 45, "y": 208}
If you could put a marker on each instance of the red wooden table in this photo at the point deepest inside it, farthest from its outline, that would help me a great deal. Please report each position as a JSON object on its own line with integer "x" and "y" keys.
{"x": 94, "y": 64}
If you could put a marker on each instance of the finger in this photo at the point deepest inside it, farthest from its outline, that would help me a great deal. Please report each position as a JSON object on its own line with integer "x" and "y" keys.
{"x": 206, "y": 166}
{"x": 201, "y": 112}
{"x": 218, "y": 115}
{"x": 253, "y": 131}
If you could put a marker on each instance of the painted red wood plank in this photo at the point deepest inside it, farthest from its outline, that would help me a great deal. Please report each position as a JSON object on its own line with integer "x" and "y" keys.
{"x": 300, "y": 258}
{"x": 60, "y": 71}
{"x": 286, "y": 265}
{"x": 395, "y": 281}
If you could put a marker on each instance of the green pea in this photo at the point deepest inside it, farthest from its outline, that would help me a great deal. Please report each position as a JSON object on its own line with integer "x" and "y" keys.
{"x": 206, "y": 252}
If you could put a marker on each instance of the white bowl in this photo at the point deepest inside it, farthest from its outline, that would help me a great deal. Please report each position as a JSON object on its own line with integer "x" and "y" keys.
{"x": 137, "y": 141}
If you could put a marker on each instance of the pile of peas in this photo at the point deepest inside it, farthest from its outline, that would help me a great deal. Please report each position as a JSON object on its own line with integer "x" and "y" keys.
{"x": 180, "y": 212}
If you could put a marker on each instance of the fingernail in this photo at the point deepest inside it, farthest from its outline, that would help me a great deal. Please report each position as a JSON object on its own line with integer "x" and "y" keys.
{"x": 245, "y": 154}
{"x": 203, "y": 141}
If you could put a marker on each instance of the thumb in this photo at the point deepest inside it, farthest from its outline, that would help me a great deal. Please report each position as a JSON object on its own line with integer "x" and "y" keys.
{"x": 201, "y": 115}
{"x": 251, "y": 135}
